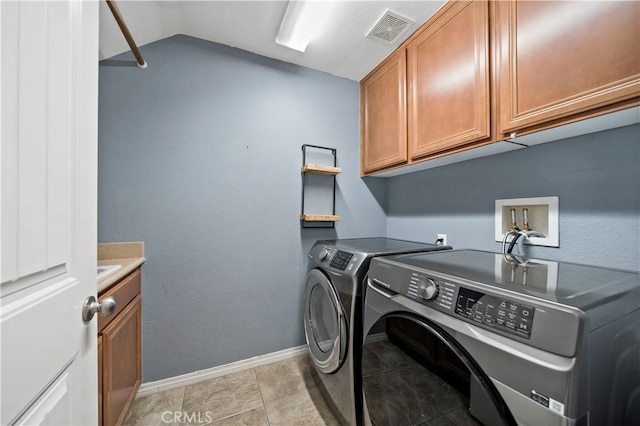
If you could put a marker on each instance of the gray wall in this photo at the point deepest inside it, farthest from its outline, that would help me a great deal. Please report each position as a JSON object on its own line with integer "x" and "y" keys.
{"x": 595, "y": 176}
{"x": 199, "y": 157}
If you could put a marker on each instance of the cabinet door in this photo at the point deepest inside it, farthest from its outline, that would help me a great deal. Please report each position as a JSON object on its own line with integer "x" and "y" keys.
{"x": 123, "y": 292}
{"x": 100, "y": 381}
{"x": 559, "y": 59}
{"x": 383, "y": 115}
{"x": 121, "y": 363}
{"x": 448, "y": 78}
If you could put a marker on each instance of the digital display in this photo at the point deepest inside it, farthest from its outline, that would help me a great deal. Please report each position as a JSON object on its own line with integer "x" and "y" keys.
{"x": 496, "y": 312}
{"x": 341, "y": 260}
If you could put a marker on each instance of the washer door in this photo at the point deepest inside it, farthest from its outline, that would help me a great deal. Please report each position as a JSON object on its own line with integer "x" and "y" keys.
{"x": 325, "y": 326}
{"x": 416, "y": 373}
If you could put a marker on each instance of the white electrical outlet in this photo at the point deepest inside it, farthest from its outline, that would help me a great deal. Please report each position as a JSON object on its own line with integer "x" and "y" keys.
{"x": 443, "y": 237}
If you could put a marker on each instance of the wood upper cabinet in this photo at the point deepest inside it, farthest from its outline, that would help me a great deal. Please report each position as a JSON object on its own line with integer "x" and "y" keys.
{"x": 478, "y": 71}
{"x": 561, "y": 61}
{"x": 448, "y": 80}
{"x": 383, "y": 115}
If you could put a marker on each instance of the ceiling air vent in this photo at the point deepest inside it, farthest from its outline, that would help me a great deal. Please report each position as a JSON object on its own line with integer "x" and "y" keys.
{"x": 389, "y": 27}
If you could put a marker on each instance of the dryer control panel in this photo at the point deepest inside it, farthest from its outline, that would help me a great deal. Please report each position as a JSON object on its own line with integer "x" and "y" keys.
{"x": 333, "y": 259}
{"x": 341, "y": 260}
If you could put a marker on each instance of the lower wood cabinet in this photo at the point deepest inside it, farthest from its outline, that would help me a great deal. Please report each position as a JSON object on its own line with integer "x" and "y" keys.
{"x": 119, "y": 351}
{"x": 100, "y": 379}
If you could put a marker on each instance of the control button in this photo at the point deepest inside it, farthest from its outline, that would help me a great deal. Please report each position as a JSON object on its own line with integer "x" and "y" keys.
{"x": 478, "y": 316}
{"x": 500, "y": 321}
{"x": 324, "y": 253}
{"x": 525, "y": 312}
{"x": 503, "y": 304}
{"x": 502, "y": 313}
{"x": 428, "y": 289}
{"x": 513, "y": 307}
{"x": 512, "y": 316}
{"x": 489, "y": 320}
{"x": 523, "y": 326}
{"x": 511, "y": 325}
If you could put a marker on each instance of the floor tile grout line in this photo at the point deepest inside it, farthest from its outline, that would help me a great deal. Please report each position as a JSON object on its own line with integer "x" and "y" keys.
{"x": 233, "y": 415}
{"x": 264, "y": 405}
{"x": 184, "y": 389}
{"x": 302, "y": 392}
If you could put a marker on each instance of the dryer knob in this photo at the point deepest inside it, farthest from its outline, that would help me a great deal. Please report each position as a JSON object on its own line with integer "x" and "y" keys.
{"x": 428, "y": 290}
{"x": 324, "y": 253}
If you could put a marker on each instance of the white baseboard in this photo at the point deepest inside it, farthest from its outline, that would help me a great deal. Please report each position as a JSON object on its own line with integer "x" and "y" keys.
{"x": 211, "y": 373}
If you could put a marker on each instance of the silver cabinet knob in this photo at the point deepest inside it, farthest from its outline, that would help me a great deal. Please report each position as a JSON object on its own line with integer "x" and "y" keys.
{"x": 91, "y": 306}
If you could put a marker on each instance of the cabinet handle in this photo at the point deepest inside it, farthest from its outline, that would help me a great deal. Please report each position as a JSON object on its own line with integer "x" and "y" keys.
{"x": 91, "y": 306}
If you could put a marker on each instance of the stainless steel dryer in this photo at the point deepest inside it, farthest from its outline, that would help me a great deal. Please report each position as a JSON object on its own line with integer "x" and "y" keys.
{"x": 333, "y": 315}
{"x": 477, "y": 337}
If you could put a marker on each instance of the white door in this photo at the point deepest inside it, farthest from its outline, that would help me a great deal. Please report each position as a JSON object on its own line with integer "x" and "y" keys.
{"x": 48, "y": 122}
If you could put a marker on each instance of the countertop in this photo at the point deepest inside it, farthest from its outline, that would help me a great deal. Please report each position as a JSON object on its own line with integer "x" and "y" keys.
{"x": 129, "y": 255}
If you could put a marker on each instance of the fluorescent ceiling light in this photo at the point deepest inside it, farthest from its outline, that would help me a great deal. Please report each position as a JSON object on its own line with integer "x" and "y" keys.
{"x": 301, "y": 20}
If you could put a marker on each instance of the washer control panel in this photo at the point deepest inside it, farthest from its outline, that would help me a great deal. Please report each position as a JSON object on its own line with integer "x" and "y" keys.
{"x": 472, "y": 305}
{"x": 507, "y": 315}
{"x": 490, "y": 306}
{"x": 421, "y": 287}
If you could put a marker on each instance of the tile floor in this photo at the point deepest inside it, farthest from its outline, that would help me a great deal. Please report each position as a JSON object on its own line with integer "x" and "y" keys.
{"x": 398, "y": 389}
{"x": 281, "y": 393}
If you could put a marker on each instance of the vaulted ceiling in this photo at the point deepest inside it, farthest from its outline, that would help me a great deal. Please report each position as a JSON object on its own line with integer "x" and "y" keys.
{"x": 339, "y": 46}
